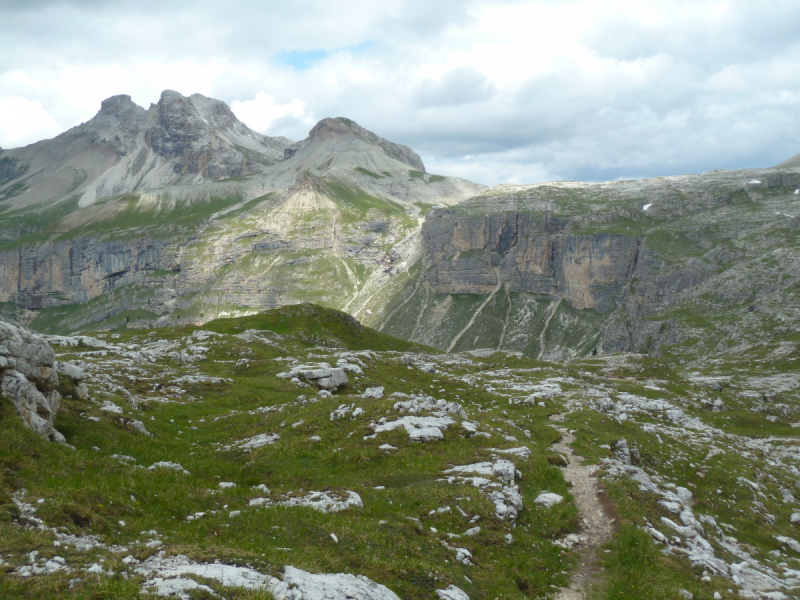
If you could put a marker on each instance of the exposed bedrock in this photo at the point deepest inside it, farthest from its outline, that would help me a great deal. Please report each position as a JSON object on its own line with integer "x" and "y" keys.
{"x": 28, "y": 379}
{"x": 77, "y": 270}
{"x": 529, "y": 255}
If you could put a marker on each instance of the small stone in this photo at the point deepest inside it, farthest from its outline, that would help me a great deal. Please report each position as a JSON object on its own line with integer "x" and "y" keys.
{"x": 373, "y": 392}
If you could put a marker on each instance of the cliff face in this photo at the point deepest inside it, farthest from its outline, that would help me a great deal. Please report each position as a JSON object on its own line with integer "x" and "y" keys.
{"x": 474, "y": 255}
{"x": 564, "y": 269}
{"x": 71, "y": 271}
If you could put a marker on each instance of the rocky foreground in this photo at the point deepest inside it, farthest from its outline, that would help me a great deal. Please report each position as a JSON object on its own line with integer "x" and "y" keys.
{"x": 258, "y": 458}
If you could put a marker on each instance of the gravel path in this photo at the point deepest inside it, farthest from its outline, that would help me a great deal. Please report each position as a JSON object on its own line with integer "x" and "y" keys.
{"x": 597, "y": 525}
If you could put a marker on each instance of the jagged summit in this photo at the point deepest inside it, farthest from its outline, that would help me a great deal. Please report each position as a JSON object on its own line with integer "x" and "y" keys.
{"x": 118, "y": 105}
{"x": 336, "y": 131}
{"x": 124, "y": 147}
{"x": 184, "y": 187}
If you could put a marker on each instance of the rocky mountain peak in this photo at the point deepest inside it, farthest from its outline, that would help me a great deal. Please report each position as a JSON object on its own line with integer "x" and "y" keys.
{"x": 120, "y": 105}
{"x": 176, "y": 109}
{"x": 334, "y": 126}
{"x": 342, "y": 127}
{"x": 124, "y": 147}
{"x": 215, "y": 112}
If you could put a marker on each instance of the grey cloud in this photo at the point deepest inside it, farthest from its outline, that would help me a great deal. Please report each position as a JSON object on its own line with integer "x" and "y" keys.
{"x": 746, "y": 32}
{"x": 463, "y": 85}
{"x": 291, "y": 127}
{"x": 423, "y": 18}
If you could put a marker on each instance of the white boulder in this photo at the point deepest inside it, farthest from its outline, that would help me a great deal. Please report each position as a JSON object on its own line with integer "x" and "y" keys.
{"x": 548, "y": 499}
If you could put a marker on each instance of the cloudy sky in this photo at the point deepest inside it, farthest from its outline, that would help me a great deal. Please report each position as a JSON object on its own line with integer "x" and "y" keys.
{"x": 492, "y": 91}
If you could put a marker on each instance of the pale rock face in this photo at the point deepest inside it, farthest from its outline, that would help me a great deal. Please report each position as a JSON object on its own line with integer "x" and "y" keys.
{"x": 373, "y": 392}
{"x": 74, "y": 372}
{"x": 309, "y": 586}
{"x": 341, "y": 127}
{"x": 125, "y": 148}
{"x": 166, "y": 577}
{"x": 28, "y": 379}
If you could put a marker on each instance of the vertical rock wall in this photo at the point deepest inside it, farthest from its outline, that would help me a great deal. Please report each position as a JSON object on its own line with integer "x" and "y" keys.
{"x": 469, "y": 254}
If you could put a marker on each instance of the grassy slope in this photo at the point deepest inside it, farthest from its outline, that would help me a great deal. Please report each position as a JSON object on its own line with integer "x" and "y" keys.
{"x": 88, "y": 491}
{"x": 316, "y": 325}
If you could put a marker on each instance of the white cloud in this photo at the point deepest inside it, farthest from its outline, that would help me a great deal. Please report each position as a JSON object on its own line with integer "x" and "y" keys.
{"x": 24, "y": 121}
{"x": 262, "y": 111}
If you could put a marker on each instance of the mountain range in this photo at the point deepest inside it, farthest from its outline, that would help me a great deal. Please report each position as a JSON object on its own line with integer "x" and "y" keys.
{"x": 557, "y": 391}
{"x": 181, "y": 214}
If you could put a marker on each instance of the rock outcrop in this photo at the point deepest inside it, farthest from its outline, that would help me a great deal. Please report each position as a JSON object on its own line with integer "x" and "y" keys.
{"x": 28, "y": 379}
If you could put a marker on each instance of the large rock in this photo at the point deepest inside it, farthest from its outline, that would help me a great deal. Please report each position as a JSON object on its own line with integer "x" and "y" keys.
{"x": 321, "y": 375}
{"x": 326, "y": 379}
{"x": 29, "y": 380}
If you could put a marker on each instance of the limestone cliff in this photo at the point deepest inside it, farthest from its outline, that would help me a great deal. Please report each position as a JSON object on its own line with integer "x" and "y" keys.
{"x": 563, "y": 269}
{"x": 528, "y": 255}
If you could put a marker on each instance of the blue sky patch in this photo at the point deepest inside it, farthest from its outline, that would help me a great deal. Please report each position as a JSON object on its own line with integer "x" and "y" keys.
{"x": 299, "y": 60}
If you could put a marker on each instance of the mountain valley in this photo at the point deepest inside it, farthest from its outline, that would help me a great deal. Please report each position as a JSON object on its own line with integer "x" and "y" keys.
{"x": 237, "y": 366}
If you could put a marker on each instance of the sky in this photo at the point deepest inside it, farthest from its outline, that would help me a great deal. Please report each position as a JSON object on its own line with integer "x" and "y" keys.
{"x": 493, "y": 91}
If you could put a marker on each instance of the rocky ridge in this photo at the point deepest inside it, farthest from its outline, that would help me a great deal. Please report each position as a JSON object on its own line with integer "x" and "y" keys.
{"x": 353, "y": 221}
{"x": 342, "y": 126}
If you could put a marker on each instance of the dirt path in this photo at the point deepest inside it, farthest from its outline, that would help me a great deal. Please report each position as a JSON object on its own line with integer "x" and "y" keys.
{"x": 596, "y": 528}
